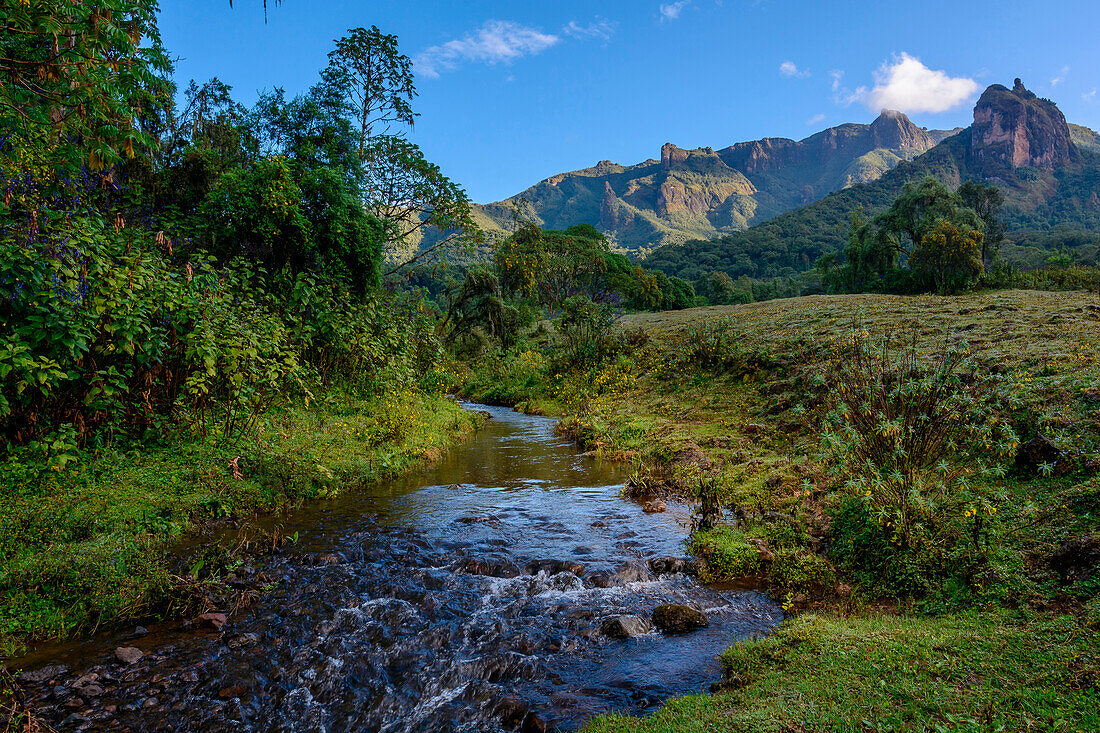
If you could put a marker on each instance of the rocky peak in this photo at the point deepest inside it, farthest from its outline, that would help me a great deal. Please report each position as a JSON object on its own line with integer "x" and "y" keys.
{"x": 894, "y": 131}
{"x": 671, "y": 155}
{"x": 1014, "y": 128}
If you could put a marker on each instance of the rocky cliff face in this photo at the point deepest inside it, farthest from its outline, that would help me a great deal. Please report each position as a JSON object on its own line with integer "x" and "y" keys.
{"x": 702, "y": 193}
{"x": 1013, "y": 128}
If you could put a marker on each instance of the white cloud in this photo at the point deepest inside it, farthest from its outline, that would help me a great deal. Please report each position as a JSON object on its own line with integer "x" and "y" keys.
{"x": 1060, "y": 78}
{"x": 908, "y": 85}
{"x": 598, "y": 28}
{"x": 671, "y": 11}
{"x": 816, "y": 119}
{"x": 494, "y": 42}
{"x": 790, "y": 69}
{"x": 1089, "y": 96}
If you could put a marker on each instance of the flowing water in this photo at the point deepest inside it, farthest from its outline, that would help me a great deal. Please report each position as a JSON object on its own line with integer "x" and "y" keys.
{"x": 467, "y": 597}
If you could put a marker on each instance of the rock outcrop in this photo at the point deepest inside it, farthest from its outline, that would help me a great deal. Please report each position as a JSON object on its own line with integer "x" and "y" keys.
{"x": 1013, "y": 128}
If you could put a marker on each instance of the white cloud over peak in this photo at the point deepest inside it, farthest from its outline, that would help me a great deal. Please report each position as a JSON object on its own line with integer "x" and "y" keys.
{"x": 818, "y": 118}
{"x": 1061, "y": 77}
{"x": 496, "y": 41}
{"x": 907, "y": 85}
{"x": 910, "y": 86}
{"x": 1089, "y": 96}
{"x": 790, "y": 69}
{"x": 671, "y": 11}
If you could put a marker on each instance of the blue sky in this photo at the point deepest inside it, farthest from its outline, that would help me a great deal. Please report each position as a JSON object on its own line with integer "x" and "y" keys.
{"x": 513, "y": 92}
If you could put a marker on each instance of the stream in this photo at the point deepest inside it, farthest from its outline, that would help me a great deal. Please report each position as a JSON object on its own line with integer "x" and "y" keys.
{"x": 468, "y": 596}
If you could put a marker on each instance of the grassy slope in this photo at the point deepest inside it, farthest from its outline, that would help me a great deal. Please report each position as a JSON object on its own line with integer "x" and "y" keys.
{"x": 743, "y": 429}
{"x": 91, "y": 545}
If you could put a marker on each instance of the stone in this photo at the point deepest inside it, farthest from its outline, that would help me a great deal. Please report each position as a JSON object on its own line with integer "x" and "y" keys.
{"x": 91, "y": 691}
{"x": 242, "y": 640}
{"x": 673, "y": 565}
{"x": 128, "y": 654}
{"x": 675, "y": 618}
{"x": 553, "y": 567}
{"x": 210, "y": 620}
{"x": 762, "y": 550}
{"x": 489, "y": 568}
{"x": 630, "y": 573}
{"x": 654, "y": 507}
{"x": 43, "y": 674}
{"x": 1036, "y": 453}
{"x": 624, "y": 627}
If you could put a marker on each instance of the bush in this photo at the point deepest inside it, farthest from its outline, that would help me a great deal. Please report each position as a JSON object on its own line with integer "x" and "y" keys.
{"x": 800, "y": 571}
{"x": 584, "y": 332}
{"x": 725, "y": 553}
{"x": 909, "y": 435}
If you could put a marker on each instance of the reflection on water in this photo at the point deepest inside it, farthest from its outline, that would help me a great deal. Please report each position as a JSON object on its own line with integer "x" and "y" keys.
{"x": 466, "y": 597}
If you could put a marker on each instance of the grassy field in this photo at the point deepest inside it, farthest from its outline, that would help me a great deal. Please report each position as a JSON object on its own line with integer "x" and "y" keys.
{"x": 92, "y": 545}
{"x": 728, "y": 406}
{"x": 988, "y": 671}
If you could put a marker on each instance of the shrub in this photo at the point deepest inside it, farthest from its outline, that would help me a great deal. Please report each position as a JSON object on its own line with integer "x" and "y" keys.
{"x": 584, "y": 331}
{"x": 909, "y": 435}
{"x": 800, "y": 571}
{"x": 725, "y": 554}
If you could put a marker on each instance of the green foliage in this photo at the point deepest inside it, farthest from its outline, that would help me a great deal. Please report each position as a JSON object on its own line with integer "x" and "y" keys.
{"x": 949, "y": 256}
{"x": 797, "y": 570}
{"x": 726, "y": 554}
{"x": 908, "y": 435}
{"x": 885, "y": 672}
{"x": 584, "y": 331}
{"x": 73, "y": 80}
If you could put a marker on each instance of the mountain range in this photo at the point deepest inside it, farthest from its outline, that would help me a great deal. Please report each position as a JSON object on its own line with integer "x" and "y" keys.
{"x": 1047, "y": 169}
{"x": 703, "y": 193}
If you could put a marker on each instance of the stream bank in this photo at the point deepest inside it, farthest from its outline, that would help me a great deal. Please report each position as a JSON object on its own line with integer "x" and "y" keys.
{"x": 474, "y": 595}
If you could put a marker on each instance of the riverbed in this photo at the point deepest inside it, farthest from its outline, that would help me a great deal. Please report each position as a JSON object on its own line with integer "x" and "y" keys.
{"x": 468, "y": 596}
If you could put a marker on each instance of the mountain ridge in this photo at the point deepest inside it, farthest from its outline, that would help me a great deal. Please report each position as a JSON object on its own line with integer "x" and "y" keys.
{"x": 702, "y": 192}
{"x": 1047, "y": 169}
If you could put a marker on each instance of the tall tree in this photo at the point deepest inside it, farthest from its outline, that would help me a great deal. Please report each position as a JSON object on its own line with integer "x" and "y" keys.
{"x": 377, "y": 82}
{"x": 950, "y": 256}
{"x": 917, "y": 210}
{"x": 409, "y": 192}
{"x": 986, "y": 202}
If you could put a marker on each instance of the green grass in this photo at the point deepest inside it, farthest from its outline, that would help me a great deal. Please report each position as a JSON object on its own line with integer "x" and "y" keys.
{"x": 992, "y": 671}
{"x": 745, "y": 425}
{"x": 92, "y": 545}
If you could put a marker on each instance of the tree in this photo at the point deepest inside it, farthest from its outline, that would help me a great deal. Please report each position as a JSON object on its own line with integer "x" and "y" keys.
{"x": 986, "y": 202}
{"x": 73, "y": 77}
{"x": 404, "y": 189}
{"x": 376, "y": 81}
{"x": 477, "y": 312}
{"x": 950, "y": 256}
{"x": 916, "y": 210}
{"x": 718, "y": 288}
